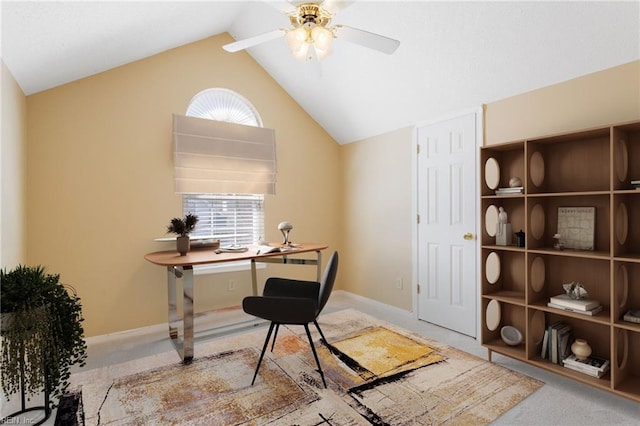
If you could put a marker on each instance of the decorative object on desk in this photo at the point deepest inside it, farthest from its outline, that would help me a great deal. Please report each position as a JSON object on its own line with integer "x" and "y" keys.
{"x": 42, "y": 336}
{"x": 285, "y": 228}
{"x": 557, "y": 243}
{"x": 511, "y": 335}
{"x": 182, "y": 228}
{"x": 575, "y": 290}
{"x": 520, "y": 238}
{"x": 577, "y": 227}
{"x": 503, "y": 228}
{"x": 581, "y": 349}
{"x": 515, "y": 182}
{"x": 632, "y": 316}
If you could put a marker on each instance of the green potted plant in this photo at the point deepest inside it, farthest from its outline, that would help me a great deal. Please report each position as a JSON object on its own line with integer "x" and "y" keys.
{"x": 42, "y": 334}
{"x": 182, "y": 228}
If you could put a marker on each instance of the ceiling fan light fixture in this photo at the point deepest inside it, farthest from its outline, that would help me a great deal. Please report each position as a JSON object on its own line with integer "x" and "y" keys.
{"x": 297, "y": 39}
{"x": 322, "y": 38}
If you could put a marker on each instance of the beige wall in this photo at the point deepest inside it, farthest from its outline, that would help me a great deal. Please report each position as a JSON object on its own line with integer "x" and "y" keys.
{"x": 599, "y": 99}
{"x": 13, "y": 169}
{"x": 100, "y": 179}
{"x": 377, "y": 171}
{"x": 377, "y": 217}
{"x": 99, "y": 185}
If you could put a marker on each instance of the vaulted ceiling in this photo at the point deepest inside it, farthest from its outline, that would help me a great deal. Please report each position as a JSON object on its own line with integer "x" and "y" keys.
{"x": 453, "y": 55}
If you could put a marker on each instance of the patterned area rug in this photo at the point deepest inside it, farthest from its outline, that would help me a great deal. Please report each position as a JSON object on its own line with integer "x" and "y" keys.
{"x": 376, "y": 374}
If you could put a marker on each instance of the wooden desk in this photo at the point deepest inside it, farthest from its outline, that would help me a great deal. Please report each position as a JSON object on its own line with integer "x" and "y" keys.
{"x": 181, "y": 328}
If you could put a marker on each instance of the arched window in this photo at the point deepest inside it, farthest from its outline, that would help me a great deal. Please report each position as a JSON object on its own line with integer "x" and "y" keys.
{"x": 234, "y": 219}
{"x": 224, "y": 105}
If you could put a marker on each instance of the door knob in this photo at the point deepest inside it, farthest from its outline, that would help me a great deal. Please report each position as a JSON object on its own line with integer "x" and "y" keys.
{"x": 468, "y": 236}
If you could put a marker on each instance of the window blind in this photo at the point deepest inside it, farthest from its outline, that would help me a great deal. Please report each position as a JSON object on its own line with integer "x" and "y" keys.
{"x": 234, "y": 219}
{"x": 220, "y": 157}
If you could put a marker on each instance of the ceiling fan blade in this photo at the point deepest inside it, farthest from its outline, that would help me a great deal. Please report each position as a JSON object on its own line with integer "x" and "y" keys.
{"x": 365, "y": 38}
{"x": 253, "y": 41}
{"x": 335, "y": 6}
{"x": 283, "y": 6}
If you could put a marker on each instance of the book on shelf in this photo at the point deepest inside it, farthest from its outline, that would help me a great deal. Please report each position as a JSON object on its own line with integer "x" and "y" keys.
{"x": 632, "y": 316}
{"x": 593, "y": 365}
{"x": 510, "y": 190}
{"x": 592, "y": 373}
{"x": 592, "y": 362}
{"x": 565, "y": 338}
{"x": 635, "y": 182}
{"x": 545, "y": 345}
{"x": 556, "y": 332}
{"x": 578, "y": 311}
{"x": 578, "y": 304}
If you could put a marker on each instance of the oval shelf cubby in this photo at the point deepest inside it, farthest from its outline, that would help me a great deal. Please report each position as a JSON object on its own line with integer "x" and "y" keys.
{"x": 622, "y": 285}
{"x": 622, "y": 160}
{"x": 492, "y": 267}
{"x": 491, "y": 220}
{"x": 492, "y": 173}
{"x": 622, "y": 223}
{"x": 538, "y": 274}
{"x": 492, "y": 315}
{"x": 537, "y": 327}
{"x": 537, "y": 221}
{"x": 537, "y": 169}
{"x": 622, "y": 349}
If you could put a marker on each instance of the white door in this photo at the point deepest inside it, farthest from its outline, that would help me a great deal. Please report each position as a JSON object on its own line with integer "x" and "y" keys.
{"x": 447, "y": 200}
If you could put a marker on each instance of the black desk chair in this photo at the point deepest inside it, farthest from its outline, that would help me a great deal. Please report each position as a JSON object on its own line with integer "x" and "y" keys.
{"x": 286, "y": 301}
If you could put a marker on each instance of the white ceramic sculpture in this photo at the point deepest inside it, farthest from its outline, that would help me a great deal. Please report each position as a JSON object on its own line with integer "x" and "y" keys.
{"x": 503, "y": 228}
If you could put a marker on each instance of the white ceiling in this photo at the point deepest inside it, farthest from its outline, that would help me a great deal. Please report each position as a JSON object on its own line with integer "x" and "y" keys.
{"x": 453, "y": 55}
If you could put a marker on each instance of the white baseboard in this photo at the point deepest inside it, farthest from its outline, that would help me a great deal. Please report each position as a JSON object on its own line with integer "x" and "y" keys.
{"x": 402, "y": 313}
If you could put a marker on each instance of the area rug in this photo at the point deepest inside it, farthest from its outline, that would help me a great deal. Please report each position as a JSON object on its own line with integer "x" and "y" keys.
{"x": 376, "y": 373}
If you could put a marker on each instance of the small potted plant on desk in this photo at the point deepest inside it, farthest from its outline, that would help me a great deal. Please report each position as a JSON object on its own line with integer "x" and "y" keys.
{"x": 42, "y": 336}
{"x": 182, "y": 228}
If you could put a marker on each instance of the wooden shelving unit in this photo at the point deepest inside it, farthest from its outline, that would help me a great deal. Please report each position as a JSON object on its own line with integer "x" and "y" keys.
{"x": 591, "y": 168}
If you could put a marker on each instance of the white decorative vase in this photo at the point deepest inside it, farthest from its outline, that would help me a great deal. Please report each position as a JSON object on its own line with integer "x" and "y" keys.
{"x": 581, "y": 349}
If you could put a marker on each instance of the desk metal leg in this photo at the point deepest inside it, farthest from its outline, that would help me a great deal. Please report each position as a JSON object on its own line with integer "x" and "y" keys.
{"x": 254, "y": 278}
{"x": 187, "y": 290}
{"x": 174, "y": 318}
{"x": 181, "y": 327}
{"x": 319, "y": 265}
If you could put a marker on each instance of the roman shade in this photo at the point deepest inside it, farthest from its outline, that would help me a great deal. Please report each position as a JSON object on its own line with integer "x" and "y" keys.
{"x": 220, "y": 157}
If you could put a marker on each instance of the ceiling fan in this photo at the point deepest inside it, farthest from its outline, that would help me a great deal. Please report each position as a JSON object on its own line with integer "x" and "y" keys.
{"x": 311, "y": 36}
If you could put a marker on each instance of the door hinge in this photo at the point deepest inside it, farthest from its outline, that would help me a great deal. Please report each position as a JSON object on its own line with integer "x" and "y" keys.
{"x": 417, "y": 148}
{"x": 418, "y": 219}
{"x": 418, "y": 288}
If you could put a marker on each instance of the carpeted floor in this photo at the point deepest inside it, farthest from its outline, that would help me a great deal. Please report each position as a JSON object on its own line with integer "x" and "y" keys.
{"x": 376, "y": 373}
